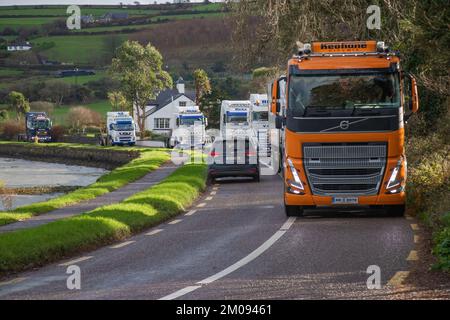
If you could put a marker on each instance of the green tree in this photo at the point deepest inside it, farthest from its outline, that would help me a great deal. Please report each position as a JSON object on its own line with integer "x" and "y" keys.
{"x": 18, "y": 103}
{"x": 210, "y": 105}
{"x": 140, "y": 72}
{"x": 202, "y": 84}
{"x": 118, "y": 101}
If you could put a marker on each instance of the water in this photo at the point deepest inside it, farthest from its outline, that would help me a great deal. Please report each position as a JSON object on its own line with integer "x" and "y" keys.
{"x": 17, "y": 173}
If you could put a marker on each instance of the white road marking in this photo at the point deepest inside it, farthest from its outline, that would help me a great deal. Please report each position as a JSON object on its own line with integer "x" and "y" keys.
{"x": 213, "y": 193}
{"x": 208, "y": 198}
{"x": 13, "y": 281}
{"x": 201, "y": 205}
{"x": 69, "y": 263}
{"x": 414, "y": 226}
{"x": 416, "y": 239}
{"x": 123, "y": 244}
{"x": 175, "y": 221}
{"x": 152, "y": 233}
{"x": 180, "y": 293}
{"x": 249, "y": 258}
{"x": 190, "y": 213}
{"x": 216, "y": 188}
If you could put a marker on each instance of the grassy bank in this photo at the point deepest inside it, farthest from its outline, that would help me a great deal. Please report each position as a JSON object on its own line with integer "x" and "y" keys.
{"x": 429, "y": 184}
{"x": 147, "y": 161}
{"x": 37, "y": 246}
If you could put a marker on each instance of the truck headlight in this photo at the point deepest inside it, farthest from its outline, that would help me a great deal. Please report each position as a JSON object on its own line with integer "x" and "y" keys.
{"x": 394, "y": 180}
{"x": 297, "y": 183}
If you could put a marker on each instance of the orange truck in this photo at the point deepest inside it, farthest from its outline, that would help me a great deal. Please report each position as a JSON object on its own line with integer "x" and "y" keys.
{"x": 340, "y": 112}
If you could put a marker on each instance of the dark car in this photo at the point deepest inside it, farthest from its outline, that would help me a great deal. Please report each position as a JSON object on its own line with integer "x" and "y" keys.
{"x": 233, "y": 157}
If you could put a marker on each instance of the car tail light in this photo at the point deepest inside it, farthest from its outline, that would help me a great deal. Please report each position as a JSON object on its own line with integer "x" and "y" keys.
{"x": 214, "y": 154}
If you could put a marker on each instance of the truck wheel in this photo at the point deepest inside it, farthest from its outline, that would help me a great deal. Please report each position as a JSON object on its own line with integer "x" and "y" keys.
{"x": 293, "y": 211}
{"x": 396, "y": 211}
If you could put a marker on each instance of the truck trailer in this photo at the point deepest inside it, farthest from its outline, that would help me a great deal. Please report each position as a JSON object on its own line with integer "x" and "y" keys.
{"x": 341, "y": 111}
{"x": 235, "y": 119}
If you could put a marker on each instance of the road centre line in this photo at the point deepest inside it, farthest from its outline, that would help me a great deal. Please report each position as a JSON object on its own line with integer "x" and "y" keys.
{"x": 414, "y": 226}
{"x": 13, "y": 281}
{"x": 201, "y": 205}
{"x": 208, "y": 198}
{"x": 175, "y": 221}
{"x": 239, "y": 264}
{"x": 413, "y": 256}
{"x": 398, "y": 278}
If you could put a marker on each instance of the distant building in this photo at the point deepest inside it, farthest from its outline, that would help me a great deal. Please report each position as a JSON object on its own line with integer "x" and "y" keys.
{"x": 19, "y": 46}
{"x": 161, "y": 112}
{"x": 110, "y": 16}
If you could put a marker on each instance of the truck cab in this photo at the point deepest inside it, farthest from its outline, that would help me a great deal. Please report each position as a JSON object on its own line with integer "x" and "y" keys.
{"x": 37, "y": 124}
{"x": 342, "y": 124}
{"x": 235, "y": 118}
{"x": 191, "y": 127}
{"x": 260, "y": 123}
{"x": 121, "y": 129}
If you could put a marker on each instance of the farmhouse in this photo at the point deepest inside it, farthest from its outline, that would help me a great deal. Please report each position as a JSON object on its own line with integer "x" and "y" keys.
{"x": 19, "y": 46}
{"x": 161, "y": 112}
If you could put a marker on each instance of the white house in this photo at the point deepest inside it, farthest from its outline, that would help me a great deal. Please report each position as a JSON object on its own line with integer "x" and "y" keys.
{"x": 19, "y": 46}
{"x": 162, "y": 112}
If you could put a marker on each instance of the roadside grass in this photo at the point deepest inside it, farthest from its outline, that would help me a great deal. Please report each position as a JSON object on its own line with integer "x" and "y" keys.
{"x": 428, "y": 190}
{"x": 51, "y": 242}
{"x": 149, "y": 160}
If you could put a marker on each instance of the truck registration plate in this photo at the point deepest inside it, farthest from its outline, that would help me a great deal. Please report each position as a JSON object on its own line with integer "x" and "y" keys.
{"x": 344, "y": 200}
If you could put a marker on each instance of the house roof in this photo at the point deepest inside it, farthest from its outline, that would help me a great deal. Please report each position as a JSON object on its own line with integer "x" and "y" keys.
{"x": 167, "y": 96}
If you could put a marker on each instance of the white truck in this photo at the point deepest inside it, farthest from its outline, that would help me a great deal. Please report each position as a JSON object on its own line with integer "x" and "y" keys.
{"x": 235, "y": 119}
{"x": 121, "y": 129}
{"x": 260, "y": 123}
{"x": 191, "y": 127}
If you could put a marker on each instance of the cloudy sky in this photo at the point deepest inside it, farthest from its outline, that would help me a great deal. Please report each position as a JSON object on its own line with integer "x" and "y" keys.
{"x": 91, "y": 2}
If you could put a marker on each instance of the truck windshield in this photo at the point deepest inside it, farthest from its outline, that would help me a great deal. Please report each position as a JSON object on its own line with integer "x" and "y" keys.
{"x": 190, "y": 121}
{"x": 41, "y": 124}
{"x": 237, "y": 118}
{"x": 261, "y": 116}
{"x": 380, "y": 90}
{"x": 123, "y": 126}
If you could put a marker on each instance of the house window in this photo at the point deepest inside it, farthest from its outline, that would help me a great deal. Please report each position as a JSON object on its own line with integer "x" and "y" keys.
{"x": 183, "y": 104}
{"x": 162, "y": 123}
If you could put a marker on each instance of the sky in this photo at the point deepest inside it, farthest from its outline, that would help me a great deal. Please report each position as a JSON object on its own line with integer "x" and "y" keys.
{"x": 91, "y": 2}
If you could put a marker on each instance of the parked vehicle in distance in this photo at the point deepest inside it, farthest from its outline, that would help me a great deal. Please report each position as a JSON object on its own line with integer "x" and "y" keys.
{"x": 191, "y": 127}
{"x": 121, "y": 129}
{"x": 234, "y": 157}
{"x": 235, "y": 118}
{"x": 37, "y": 124}
{"x": 260, "y": 124}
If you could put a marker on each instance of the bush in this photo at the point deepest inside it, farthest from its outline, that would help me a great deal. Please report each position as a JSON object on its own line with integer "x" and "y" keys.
{"x": 42, "y": 106}
{"x": 81, "y": 117}
{"x": 4, "y": 115}
{"x": 11, "y": 128}
{"x": 57, "y": 133}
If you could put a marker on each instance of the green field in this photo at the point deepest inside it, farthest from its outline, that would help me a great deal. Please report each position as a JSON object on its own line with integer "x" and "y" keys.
{"x": 5, "y": 73}
{"x": 83, "y": 79}
{"x": 16, "y": 23}
{"x": 60, "y": 11}
{"x": 80, "y": 49}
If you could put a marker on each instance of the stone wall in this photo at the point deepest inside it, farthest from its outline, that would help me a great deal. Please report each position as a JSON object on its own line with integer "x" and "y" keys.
{"x": 91, "y": 157}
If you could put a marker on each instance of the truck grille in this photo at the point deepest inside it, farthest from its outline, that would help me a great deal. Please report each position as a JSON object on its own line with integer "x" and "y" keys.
{"x": 345, "y": 168}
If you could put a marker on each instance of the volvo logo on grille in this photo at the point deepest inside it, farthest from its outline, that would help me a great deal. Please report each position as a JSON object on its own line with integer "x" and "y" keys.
{"x": 344, "y": 125}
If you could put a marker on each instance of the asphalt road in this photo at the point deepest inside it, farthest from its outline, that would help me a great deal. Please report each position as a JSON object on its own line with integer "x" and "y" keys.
{"x": 236, "y": 243}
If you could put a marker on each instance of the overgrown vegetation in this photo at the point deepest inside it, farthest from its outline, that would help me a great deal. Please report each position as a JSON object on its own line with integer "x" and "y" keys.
{"x": 34, "y": 247}
{"x": 148, "y": 160}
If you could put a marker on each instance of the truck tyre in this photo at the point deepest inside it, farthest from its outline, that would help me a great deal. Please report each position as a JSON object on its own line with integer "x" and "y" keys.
{"x": 293, "y": 211}
{"x": 396, "y": 211}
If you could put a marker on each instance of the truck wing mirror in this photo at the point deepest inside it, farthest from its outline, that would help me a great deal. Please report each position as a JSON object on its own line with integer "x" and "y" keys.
{"x": 278, "y": 122}
{"x": 276, "y": 94}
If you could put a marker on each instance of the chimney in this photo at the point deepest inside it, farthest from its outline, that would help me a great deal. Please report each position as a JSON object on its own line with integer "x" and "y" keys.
{"x": 180, "y": 85}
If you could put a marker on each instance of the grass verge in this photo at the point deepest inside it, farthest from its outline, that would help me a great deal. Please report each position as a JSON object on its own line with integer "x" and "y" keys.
{"x": 429, "y": 185}
{"x": 149, "y": 160}
{"x": 37, "y": 246}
